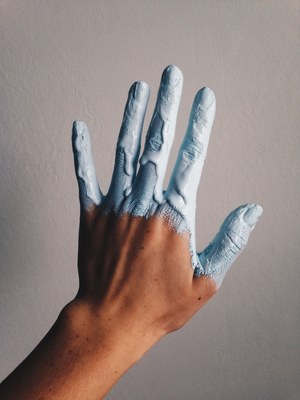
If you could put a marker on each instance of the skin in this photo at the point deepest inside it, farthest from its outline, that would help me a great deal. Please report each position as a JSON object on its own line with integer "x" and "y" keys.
{"x": 138, "y": 279}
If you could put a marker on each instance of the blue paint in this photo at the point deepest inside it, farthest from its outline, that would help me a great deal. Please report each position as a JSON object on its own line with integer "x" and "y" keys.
{"x": 229, "y": 242}
{"x": 89, "y": 191}
{"x": 140, "y": 193}
{"x": 128, "y": 147}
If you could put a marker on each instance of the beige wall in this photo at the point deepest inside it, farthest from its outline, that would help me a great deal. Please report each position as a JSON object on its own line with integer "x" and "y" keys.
{"x": 66, "y": 60}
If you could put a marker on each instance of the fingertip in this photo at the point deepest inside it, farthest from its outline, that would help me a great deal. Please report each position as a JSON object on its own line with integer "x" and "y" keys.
{"x": 246, "y": 214}
{"x": 74, "y": 130}
{"x": 143, "y": 85}
{"x": 79, "y": 125}
{"x": 139, "y": 91}
{"x": 252, "y": 214}
{"x": 259, "y": 209}
{"x": 205, "y": 97}
{"x": 172, "y": 75}
{"x": 78, "y": 128}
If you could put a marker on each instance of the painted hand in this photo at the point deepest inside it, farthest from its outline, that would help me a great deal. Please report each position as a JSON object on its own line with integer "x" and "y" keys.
{"x": 137, "y": 197}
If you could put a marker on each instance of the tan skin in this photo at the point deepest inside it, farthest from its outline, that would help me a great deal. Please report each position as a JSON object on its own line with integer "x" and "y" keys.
{"x": 136, "y": 285}
{"x": 136, "y": 280}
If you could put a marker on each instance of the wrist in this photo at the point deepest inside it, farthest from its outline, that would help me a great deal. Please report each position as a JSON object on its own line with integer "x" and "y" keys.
{"x": 119, "y": 336}
{"x": 83, "y": 355}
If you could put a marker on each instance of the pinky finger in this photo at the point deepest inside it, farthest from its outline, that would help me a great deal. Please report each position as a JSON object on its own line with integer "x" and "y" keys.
{"x": 89, "y": 192}
{"x": 230, "y": 241}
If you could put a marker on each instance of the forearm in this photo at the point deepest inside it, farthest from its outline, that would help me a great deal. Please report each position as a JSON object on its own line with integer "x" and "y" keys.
{"x": 82, "y": 357}
{"x": 140, "y": 275}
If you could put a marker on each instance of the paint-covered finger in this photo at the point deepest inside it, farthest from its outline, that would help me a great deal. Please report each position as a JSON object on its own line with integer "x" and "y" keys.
{"x": 89, "y": 192}
{"x": 161, "y": 131}
{"x": 128, "y": 145}
{"x": 229, "y": 242}
{"x": 182, "y": 189}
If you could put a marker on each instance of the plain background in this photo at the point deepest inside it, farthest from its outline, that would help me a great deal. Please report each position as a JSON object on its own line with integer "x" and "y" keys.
{"x": 62, "y": 61}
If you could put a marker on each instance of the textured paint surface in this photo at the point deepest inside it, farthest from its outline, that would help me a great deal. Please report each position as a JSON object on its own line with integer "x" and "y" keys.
{"x": 128, "y": 146}
{"x": 84, "y": 166}
{"x": 229, "y": 242}
{"x": 63, "y": 61}
{"x": 141, "y": 194}
{"x": 161, "y": 132}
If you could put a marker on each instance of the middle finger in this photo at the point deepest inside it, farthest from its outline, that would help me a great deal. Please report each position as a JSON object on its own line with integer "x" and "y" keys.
{"x": 148, "y": 185}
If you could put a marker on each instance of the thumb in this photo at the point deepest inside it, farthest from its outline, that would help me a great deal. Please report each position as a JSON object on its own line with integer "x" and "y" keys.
{"x": 230, "y": 241}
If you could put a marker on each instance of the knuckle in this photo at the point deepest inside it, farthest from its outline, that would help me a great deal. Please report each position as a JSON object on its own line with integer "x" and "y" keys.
{"x": 155, "y": 138}
{"x": 236, "y": 242}
{"x": 193, "y": 150}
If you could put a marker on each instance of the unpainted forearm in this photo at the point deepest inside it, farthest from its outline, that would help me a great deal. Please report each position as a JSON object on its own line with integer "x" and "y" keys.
{"x": 79, "y": 358}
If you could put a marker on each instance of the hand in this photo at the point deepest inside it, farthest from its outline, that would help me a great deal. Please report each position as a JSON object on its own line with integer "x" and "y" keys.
{"x": 140, "y": 276}
{"x": 137, "y": 256}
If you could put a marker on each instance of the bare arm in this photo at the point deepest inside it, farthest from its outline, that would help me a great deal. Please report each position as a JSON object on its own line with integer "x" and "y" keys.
{"x": 140, "y": 276}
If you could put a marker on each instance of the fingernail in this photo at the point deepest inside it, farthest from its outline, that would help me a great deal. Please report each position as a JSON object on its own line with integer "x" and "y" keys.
{"x": 205, "y": 97}
{"x": 253, "y": 214}
{"x": 139, "y": 89}
{"x": 172, "y": 75}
